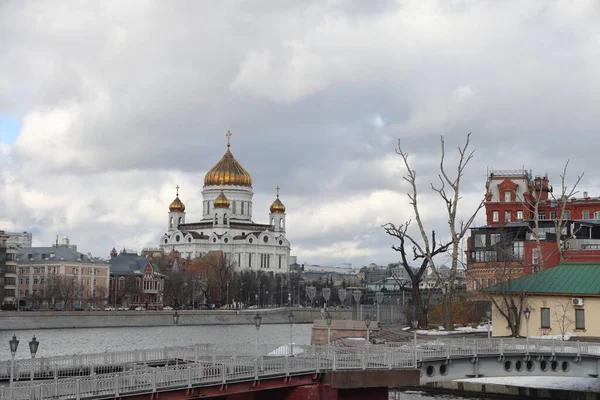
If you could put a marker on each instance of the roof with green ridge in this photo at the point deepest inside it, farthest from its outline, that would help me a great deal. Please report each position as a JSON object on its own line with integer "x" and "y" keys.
{"x": 567, "y": 278}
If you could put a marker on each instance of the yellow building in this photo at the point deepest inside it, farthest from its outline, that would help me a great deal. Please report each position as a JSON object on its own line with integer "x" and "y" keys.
{"x": 562, "y": 301}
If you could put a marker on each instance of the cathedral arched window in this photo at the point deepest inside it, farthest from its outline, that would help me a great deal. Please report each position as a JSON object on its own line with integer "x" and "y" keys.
{"x": 224, "y": 218}
{"x": 216, "y": 219}
{"x": 272, "y": 221}
{"x": 171, "y": 222}
{"x": 281, "y": 222}
{"x": 242, "y": 208}
{"x": 180, "y": 220}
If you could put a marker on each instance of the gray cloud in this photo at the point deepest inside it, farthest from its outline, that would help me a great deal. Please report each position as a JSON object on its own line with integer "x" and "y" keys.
{"x": 121, "y": 101}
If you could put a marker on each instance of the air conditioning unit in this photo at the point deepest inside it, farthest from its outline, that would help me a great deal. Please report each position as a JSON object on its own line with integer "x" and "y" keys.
{"x": 577, "y": 301}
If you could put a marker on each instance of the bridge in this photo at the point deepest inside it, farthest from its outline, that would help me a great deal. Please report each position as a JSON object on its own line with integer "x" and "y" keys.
{"x": 237, "y": 372}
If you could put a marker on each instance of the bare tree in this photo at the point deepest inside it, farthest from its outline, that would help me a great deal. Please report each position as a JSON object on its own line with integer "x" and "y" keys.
{"x": 559, "y": 203}
{"x": 562, "y": 319}
{"x": 425, "y": 247}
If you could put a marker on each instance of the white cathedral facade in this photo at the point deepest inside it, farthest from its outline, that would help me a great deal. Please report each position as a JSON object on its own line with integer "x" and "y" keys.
{"x": 227, "y": 225}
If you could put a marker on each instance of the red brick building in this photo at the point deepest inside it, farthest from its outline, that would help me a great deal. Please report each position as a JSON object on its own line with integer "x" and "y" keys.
{"x": 506, "y": 247}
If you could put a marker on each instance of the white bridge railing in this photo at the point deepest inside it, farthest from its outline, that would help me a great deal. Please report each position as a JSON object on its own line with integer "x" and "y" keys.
{"x": 205, "y": 365}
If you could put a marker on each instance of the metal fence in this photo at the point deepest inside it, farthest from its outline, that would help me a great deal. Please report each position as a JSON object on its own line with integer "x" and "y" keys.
{"x": 388, "y": 313}
{"x": 226, "y": 365}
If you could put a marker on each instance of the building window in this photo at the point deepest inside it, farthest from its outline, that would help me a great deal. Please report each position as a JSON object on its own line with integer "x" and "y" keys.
{"x": 567, "y": 215}
{"x": 535, "y": 256}
{"x": 545, "y": 313}
{"x": 553, "y": 215}
{"x": 495, "y": 216}
{"x": 585, "y": 214}
{"x": 579, "y": 318}
{"x": 518, "y": 250}
{"x": 520, "y": 215}
{"x": 507, "y": 197}
{"x": 596, "y": 214}
{"x": 507, "y": 216}
{"x": 541, "y": 216}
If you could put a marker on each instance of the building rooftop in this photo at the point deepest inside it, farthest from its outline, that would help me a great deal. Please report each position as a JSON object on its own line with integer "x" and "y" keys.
{"x": 567, "y": 278}
{"x": 54, "y": 253}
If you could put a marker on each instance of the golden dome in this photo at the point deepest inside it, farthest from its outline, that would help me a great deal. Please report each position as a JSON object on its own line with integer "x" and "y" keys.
{"x": 277, "y": 206}
{"x": 177, "y": 205}
{"x": 228, "y": 171}
{"x": 221, "y": 201}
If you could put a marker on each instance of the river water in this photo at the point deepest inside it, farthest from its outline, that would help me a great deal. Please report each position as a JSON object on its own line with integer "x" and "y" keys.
{"x": 57, "y": 342}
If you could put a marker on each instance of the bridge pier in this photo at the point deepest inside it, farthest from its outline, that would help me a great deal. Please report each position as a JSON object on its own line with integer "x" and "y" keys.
{"x": 326, "y": 392}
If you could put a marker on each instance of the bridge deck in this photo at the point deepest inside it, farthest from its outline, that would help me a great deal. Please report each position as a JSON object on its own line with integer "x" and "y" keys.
{"x": 198, "y": 366}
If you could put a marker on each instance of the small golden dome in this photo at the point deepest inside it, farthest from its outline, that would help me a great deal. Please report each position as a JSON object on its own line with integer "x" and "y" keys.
{"x": 228, "y": 171}
{"x": 177, "y": 205}
{"x": 277, "y": 206}
{"x": 221, "y": 201}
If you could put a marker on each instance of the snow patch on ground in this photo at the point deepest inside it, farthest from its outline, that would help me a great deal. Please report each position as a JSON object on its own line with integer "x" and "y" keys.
{"x": 456, "y": 331}
{"x": 546, "y": 382}
{"x": 554, "y": 337}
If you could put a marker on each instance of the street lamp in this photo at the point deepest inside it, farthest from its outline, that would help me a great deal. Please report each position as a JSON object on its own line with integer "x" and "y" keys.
{"x": 367, "y": 324}
{"x": 292, "y": 319}
{"x": 527, "y": 313}
{"x": 14, "y": 345}
{"x": 379, "y": 298}
{"x": 176, "y": 318}
{"x": 488, "y": 314}
{"x": 257, "y": 321}
{"x": 328, "y": 319}
{"x": 33, "y": 348}
{"x": 415, "y": 324}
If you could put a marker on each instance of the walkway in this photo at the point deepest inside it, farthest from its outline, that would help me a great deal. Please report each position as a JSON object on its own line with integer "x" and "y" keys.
{"x": 206, "y": 365}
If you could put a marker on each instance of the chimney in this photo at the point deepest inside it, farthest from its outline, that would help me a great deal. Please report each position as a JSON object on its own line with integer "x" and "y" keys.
{"x": 585, "y": 195}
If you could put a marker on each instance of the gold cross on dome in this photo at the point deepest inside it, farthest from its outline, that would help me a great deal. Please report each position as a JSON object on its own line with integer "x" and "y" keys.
{"x": 228, "y": 138}
{"x": 277, "y": 188}
{"x": 177, "y": 188}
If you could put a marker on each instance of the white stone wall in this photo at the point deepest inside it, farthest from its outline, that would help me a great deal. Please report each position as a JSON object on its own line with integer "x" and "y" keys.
{"x": 235, "y": 194}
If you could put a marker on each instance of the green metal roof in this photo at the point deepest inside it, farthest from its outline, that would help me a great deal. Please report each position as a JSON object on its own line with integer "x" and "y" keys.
{"x": 566, "y": 278}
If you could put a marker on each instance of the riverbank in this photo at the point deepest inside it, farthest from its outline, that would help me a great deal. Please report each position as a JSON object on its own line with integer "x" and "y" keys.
{"x": 110, "y": 319}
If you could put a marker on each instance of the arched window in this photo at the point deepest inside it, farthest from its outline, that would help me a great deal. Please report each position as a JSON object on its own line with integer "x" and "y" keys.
{"x": 281, "y": 222}
{"x": 216, "y": 219}
{"x": 272, "y": 221}
{"x": 242, "y": 208}
{"x": 224, "y": 218}
{"x": 171, "y": 222}
{"x": 180, "y": 220}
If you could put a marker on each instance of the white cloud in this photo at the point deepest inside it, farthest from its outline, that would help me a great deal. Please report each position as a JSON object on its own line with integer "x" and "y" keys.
{"x": 118, "y": 110}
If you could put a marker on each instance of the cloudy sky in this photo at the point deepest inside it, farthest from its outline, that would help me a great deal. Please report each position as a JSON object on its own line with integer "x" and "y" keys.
{"x": 106, "y": 106}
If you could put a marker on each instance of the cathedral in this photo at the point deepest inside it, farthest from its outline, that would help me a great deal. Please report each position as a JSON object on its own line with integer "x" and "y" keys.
{"x": 226, "y": 223}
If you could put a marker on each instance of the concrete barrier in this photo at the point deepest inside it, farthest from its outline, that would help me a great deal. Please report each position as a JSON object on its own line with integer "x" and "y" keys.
{"x": 10, "y": 320}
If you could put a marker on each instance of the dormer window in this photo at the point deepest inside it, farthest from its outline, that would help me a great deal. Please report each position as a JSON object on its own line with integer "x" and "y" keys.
{"x": 507, "y": 197}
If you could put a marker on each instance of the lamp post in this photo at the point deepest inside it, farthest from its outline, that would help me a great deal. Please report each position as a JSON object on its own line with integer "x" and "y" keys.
{"x": 257, "y": 321}
{"x": 33, "y": 348}
{"x": 415, "y": 324}
{"x": 488, "y": 314}
{"x": 379, "y": 298}
{"x": 290, "y": 299}
{"x": 357, "y": 294}
{"x": 14, "y": 345}
{"x": 176, "y": 318}
{"x": 367, "y": 324}
{"x": 328, "y": 319}
{"x": 527, "y": 313}
{"x": 292, "y": 319}
{"x": 326, "y": 295}
{"x": 227, "y": 296}
{"x": 256, "y": 299}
